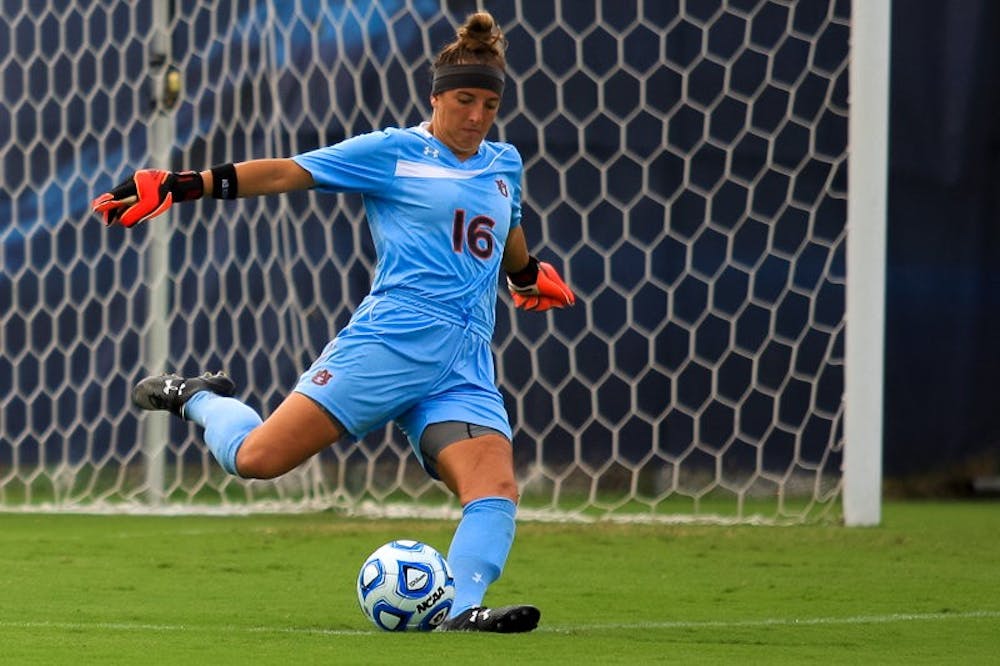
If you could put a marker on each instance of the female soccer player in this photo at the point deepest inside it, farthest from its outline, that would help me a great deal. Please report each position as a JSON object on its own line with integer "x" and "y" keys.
{"x": 444, "y": 208}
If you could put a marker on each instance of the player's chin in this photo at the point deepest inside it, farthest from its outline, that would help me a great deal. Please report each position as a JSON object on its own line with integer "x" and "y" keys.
{"x": 472, "y": 138}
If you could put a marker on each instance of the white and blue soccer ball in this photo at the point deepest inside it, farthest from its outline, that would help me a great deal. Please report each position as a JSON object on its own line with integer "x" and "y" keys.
{"x": 406, "y": 586}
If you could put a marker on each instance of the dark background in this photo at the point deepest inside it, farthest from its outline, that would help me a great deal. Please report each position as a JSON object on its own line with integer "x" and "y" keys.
{"x": 942, "y": 405}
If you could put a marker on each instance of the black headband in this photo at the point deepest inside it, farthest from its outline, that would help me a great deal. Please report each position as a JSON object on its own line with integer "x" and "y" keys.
{"x": 449, "y": 77}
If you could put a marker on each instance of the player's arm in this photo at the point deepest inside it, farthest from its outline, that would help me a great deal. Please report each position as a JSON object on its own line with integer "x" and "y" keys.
{"x": 150, "y": 192}
{"x": 260, "y": 177}
{"x": 533, "y": 284}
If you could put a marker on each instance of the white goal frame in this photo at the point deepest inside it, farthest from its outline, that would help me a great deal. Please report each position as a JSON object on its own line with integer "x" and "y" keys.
{"x": 868, "y": 141}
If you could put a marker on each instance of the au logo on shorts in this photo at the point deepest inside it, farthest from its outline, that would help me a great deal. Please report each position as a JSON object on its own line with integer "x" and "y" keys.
{"x": 322, "y": 377}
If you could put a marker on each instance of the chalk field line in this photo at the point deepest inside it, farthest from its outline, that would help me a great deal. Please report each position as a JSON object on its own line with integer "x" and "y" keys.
{"x": 140, "y": 627}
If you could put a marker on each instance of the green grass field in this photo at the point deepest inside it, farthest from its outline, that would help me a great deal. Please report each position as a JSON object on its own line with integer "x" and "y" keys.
{"x": 920, "y": 589}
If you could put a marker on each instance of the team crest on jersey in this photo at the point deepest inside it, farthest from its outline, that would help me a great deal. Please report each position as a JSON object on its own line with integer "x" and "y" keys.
{"x": 322, "y": 377}
{"x": 502, "y": 186}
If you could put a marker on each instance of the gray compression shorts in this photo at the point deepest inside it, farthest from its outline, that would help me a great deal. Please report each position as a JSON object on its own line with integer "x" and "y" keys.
{"x": 439, "y": 435}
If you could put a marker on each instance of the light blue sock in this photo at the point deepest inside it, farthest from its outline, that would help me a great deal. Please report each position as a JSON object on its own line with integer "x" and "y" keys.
{"x": 479, "y": 549}
{"x": 226, "y": 421}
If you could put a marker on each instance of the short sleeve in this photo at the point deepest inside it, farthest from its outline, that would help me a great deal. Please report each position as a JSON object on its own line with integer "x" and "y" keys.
{"x": 365, "y": 163}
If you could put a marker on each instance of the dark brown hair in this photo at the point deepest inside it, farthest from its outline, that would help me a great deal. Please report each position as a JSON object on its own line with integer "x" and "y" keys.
{"x": 479, "y": 42}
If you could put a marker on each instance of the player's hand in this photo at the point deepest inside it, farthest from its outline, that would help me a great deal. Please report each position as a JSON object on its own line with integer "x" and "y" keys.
{"x": 547, "y": 291}
{"x": 146, "y": 194}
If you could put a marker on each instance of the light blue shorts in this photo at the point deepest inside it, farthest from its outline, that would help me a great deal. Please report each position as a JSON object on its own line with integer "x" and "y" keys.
{"x": 396, "y": 362}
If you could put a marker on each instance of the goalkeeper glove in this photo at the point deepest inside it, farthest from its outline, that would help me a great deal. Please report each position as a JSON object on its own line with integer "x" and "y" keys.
{"x": 146, "y": 194}
{"x": 538, "y": 287}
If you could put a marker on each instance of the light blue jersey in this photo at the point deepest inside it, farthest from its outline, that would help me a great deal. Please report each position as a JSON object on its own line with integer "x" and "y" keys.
{"x": 439, "y": 225}
{"x": 416, "y": 350}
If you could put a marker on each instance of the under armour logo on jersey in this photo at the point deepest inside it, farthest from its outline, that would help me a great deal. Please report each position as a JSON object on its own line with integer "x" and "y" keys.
{"x": 431, "y": 152}
{"x": 502, "y": 186}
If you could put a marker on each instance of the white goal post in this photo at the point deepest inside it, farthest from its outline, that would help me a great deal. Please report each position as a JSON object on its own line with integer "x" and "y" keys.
{"x": 866, "y": 262}
{"x": 686, "y": 168}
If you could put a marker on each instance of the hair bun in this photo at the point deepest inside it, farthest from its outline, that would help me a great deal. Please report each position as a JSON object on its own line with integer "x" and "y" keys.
{"x": 478, "y": 26}
{"x": 478, "y": 41}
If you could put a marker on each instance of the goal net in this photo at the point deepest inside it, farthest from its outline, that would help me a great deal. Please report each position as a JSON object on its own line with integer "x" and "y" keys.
{"x": 685, "y": 168}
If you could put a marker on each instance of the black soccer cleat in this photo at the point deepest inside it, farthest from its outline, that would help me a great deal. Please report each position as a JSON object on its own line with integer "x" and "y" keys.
{"x": 169, "y": 392}
{"x": 504, "y": 620}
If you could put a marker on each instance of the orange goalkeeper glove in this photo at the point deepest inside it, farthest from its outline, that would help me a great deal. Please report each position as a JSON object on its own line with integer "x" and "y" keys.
{"x": 146, "y": 194}
{"x": 538, "y": 287}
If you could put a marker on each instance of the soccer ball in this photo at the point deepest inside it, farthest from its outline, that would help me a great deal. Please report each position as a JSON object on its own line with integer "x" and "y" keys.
{"x": 406, "y": 586}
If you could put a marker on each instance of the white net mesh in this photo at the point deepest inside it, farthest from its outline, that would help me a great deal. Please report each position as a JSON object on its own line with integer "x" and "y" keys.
{"x": 685, "y": 169}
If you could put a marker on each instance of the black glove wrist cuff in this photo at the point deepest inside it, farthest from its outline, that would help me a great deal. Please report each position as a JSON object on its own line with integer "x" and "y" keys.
{"x": 187, "y": 186}
{"x": 224, "y": 181}
{"x": 527, "y": 276}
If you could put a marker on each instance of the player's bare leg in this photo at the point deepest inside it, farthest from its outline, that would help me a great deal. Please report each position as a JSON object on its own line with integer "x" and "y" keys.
{"x": 297, "y": 430}
{"x": 479, "y": 467}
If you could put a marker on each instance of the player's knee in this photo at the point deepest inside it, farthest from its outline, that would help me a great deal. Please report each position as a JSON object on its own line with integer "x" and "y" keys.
{"x": 498, "y": 488}
{"x": 509, "y": 490}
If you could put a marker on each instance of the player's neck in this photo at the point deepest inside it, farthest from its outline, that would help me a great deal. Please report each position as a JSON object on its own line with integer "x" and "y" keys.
{"x": 460, "y": 154}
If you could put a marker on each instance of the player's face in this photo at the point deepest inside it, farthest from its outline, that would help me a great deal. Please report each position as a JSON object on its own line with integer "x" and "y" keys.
{"x": 462, "y": 117}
